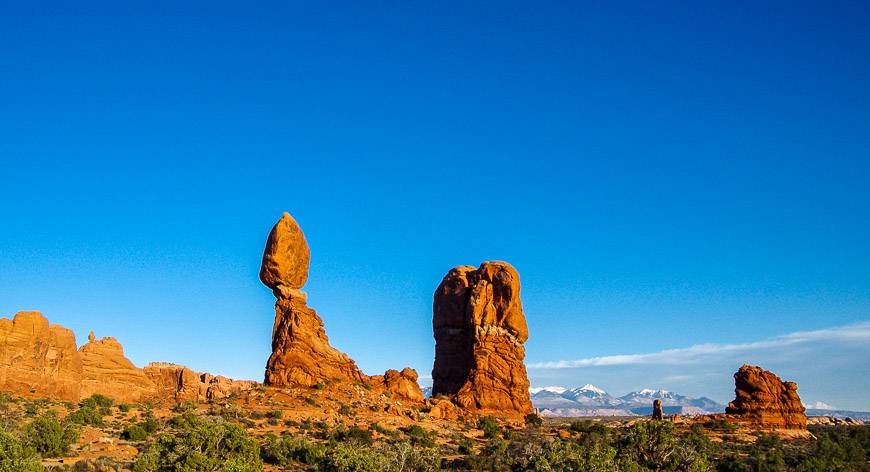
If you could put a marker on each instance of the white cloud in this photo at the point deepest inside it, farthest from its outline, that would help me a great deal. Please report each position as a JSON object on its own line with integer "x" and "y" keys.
{"x": 819, "y": 406}
{"x": 854, "y": 333}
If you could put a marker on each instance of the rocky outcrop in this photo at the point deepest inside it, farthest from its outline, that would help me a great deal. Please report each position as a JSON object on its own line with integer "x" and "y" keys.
{"x": 182, "y": 384}
{"x": 657, "y": 410}
{"x": 38, "y": 359}
{"x": 480, "y": 329}
{"x": 301, "y": 354}
{"x": 401, "y": 385}
{"x": 764, "y": 401}
{"x": 105, "y": 370}
{"x": 41, "y": 360}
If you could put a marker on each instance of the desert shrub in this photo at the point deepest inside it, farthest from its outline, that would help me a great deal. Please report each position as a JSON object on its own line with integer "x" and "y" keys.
{"x": 382, "y": 430}
{"x": 184, "y": 407}
{"x": 354, "y": 434}
{"x": 352, "y": 457}
{"x": 655, "y": 445}
{"x": 276, "y": 414}
{"x": 489, "y": 426}
{"x": 149, "y": 424}
{"x": 14, "y": 457}
{"x": 201, "y": 444}
{"x": 124, "y": 407}
{"x": 256, "y": 415}
{"x": 98, "y": 401}
{"x": 534, "y": 421}
{"x": 404, "y": 456}
{"x": 48, "y": 436}
{"x": 97, "y": 465}
{"x": 289, "y": 451}
{"x": 721, "y": 424}
{"x": 134, "y": 433}
{"x": 311, "y": 401}
{"x": 418, "y": 436}
{"x": 86, "y": 415}
{"x": 345, "y": 410}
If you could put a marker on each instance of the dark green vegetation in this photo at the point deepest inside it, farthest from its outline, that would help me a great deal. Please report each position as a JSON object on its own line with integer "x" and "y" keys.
{"x": 228, "y": 438}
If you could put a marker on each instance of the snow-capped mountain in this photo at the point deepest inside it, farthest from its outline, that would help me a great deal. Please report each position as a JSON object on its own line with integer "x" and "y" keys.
{"x": 590, "y": 400}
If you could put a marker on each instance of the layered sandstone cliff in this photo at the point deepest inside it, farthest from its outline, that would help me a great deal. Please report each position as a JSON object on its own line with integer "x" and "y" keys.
{"x": 480, "y": 329}
{"x": 764, "y": 401}
{"x": 41, "y": 360}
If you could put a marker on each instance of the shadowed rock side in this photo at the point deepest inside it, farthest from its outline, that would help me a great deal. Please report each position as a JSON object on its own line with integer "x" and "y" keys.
{"x": 764, "y": 401}
{"x": 301, "y": 353}
{"x": 480, "y": 329}
{"x": 41, "y": 360}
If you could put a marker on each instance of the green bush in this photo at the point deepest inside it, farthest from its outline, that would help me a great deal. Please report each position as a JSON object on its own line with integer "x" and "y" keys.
{"x": 289, "y": 451}
{"x": 134, "y": 433}
{"x": 352, "y": 457}
{"x": 124, "y": 407}
{"x": 419, "y": 436}
{"x": 14, "y": 457}
{"x": 201, "y": 444}
{"x": 98, "y": 401}
{"x": 533, "y": 420}
{"x": 86, "y": 416}
{"x": 489, "y": 426}
{"x": 47, "y": 436}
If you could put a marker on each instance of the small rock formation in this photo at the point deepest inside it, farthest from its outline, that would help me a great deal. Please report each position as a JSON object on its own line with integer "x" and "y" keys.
{"x": 657, "y": 410}
{"x": 41, "y": 360}
{"x": 480, "y": 329}
{"x": 301, "y": 354}
{"x": 766, "y": 402}
{"x": 402, "y": 385}
{"x": 182, "y": 384}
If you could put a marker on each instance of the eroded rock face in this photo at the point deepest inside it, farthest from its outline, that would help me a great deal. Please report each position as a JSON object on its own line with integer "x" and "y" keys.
{"x": 41, "y": 360}
{"x": 401, "y": 385}
{"x": 766, "y": 402}
{"x": 107, "y": 371}
{"x": 480, "y": 329}
{"x": 286, "y": 257}
{"x": 301, "y": 354}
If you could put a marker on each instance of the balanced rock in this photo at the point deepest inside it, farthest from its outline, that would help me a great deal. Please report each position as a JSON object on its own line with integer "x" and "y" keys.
{"x": 480, "y": 329}
{"x": 766, "y": 402}
{"x": 286, "y": 257}
{"x": 301, "y": 354}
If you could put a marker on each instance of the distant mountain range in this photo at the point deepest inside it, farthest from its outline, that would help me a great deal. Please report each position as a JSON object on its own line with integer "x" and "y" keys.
{"x": 590, "y": 400}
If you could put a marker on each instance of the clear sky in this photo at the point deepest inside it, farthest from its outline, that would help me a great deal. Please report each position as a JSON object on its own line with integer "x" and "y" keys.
{"x": 662, "y": 175}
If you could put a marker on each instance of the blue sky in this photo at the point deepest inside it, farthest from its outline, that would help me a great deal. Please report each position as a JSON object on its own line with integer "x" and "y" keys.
{"x": 662, "y": 176}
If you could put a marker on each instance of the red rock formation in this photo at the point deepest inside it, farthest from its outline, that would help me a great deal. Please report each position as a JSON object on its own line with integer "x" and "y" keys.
{"x": 766, "y": 402}
{"x": 402, "y": 385}
{"x": 38, "y": 359}
{"x": 105, "y": 370}
{"x": 657, "y": 410}
{"x": 301, "y": 354}
{"x": 480, "y": 329}
{"x": 41, "y": 360}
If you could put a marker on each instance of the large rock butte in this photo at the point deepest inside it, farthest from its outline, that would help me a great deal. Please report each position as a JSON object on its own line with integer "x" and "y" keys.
{"x": 480, "y": 329}
{"x": 301, "y": 353}
{"x": 764, "y": 401}
{"x": 40, "y": 360}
